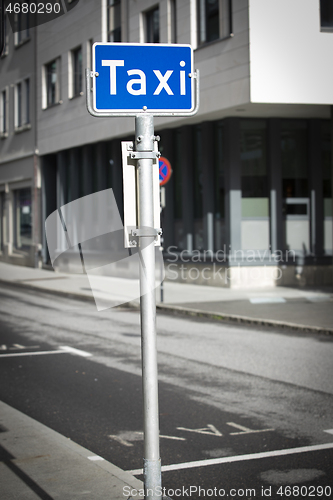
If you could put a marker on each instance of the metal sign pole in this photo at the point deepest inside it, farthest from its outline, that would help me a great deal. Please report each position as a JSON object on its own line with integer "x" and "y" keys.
{"x": 144, "y": 134}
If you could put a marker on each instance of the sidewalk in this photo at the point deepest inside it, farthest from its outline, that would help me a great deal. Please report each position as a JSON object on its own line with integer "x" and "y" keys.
{"x": 38, "y": 463}
{"x": 307, "y": 309}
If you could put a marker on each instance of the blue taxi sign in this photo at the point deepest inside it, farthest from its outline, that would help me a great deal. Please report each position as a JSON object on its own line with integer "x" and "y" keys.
{"x": 136, "y": 77}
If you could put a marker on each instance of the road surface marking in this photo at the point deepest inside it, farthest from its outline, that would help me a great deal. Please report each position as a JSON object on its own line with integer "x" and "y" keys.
{"x": 4, "y": 347}
{"x": 267, "y": 300}
{"x": 210, "y": 430}
{"x": 95, "y": 458}
{"x": 138, "y": 436}
{"x": 176, "y": 438}
{"x": 329, "y": 431}
{"x": 72, "y": 350}
{"x": 239, "y": 458}
{"x": 120, "y": 440}
{"x": 245, "y": 430}
{"x": 37, "y": 353}
{"x": 62, "y": 350}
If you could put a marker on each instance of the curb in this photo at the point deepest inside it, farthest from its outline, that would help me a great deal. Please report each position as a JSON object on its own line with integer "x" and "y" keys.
{"x": 183, "y": 310}
{"x": 245, "y": 319}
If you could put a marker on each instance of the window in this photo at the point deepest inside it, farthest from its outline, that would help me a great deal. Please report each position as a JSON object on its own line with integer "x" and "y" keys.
{"x": 153, "y": 25}
{"x": 114, "y": 20}
{"x": 52, "y": 87}
{"x": 198, "y": 188}
{"x": 23, "y": 218}
{"x": 255, "y": 191}
{"x": 294, "y": 159}
{"x": 219, "y": 178}
{"x": 254, "y": 160}
{"x": 27, "y": 100}
{"x": 214, "y": 20}
{"x": 89, "y": 46}
{"x": 326, "y": 15}
{"x": 326, "y": 158}
{"x": 4, "y": 113}
{"x": 21, "y": 21}
{"x": 22, "y": 104}
{"x": 18, "y": 111}
{"x": 76, "y": 63}
{"x": 6, "y": 37}
{"x": 172, "y": 35}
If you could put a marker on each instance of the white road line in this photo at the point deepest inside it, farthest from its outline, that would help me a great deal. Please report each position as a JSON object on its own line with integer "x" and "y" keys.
{"x": 239, "y": 458}
{"x": 210, "y": 430}
{"x": 250, "y": 432}
{"x": 72, "y": 350}
{"x": 176, "y": 438}
{"x": 37, "y": 353}
{"x": 245, "y": 430}
{"x": 95, "y": 458}
{"x": 62, "y": 350}
{"x": 329, "y": 431}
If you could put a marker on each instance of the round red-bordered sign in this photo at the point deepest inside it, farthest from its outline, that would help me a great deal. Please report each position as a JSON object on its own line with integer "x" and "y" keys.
{"x": 165, "y": 170}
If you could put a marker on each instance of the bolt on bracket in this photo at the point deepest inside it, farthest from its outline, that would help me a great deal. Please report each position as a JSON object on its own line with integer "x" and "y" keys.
{"x": 146, "y": 232}
{"x": 144, "y": 155}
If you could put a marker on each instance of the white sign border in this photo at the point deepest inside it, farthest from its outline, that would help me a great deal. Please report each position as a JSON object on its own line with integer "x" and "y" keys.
{"x": 141, "y": 110}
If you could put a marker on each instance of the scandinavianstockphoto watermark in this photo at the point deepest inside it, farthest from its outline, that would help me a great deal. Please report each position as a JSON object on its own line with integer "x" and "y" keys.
{"x": 226, "y": 254}
{"x": 189, "y": 491}
{"x": 284, "y": 491}
{"x": 207, "y": 266}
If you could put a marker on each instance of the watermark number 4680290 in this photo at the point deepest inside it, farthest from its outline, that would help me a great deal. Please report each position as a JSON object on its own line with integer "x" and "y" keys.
{"x": 23, "y": 15}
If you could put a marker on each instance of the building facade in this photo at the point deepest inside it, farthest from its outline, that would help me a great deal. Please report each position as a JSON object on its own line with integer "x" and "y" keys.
{"x": 250, "y": 198}
{"x": 20, "y": 181}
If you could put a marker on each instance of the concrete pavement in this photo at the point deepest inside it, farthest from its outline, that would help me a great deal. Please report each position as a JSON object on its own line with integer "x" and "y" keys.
{"x": 307, "y": 309}
{"x": 38, "y": 463}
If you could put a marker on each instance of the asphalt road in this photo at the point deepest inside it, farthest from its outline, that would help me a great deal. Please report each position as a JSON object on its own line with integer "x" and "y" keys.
{"x": 225, "y": 391}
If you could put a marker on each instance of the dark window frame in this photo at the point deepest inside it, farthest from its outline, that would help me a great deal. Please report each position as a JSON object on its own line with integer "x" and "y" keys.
{"x": 52, "y": 88}
{"x": 4, "y": 115}
{"x": 23, "y": 28}
{"x": 326, "y": 16}
{"x": 19, "y": 103}
{"x": 152, "y": 17}
{"x": 5, "y": 36}
{"x": 77, "y": 72}
{"x": 114, "y": 20}
{"x": 223, "y": 19}
{"x": 27, "y": 101}
{"x": 23, "y": 197}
